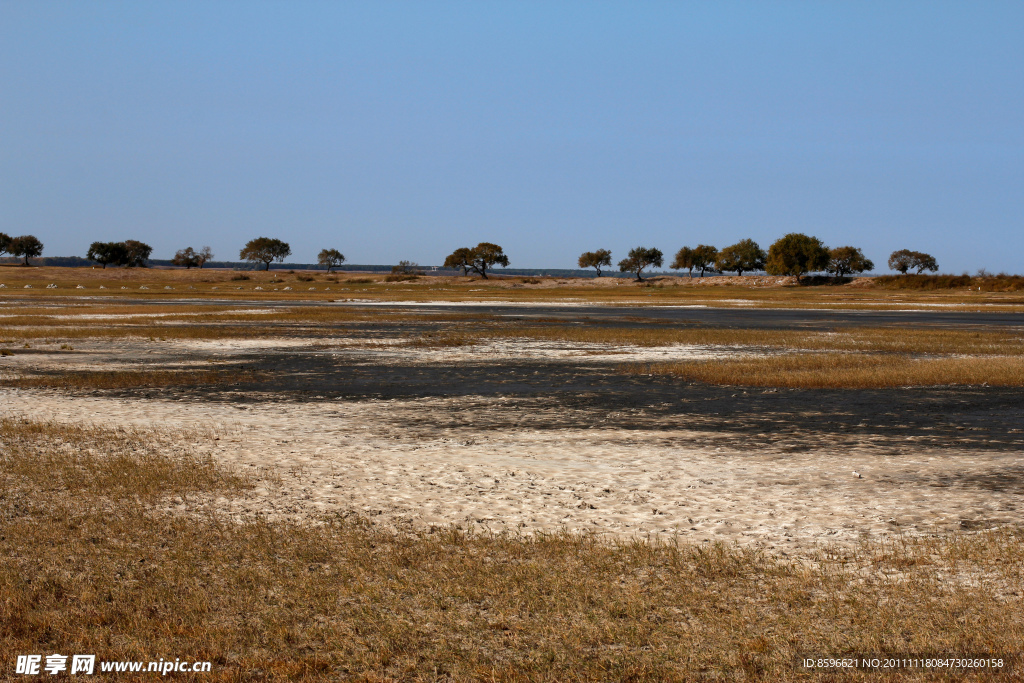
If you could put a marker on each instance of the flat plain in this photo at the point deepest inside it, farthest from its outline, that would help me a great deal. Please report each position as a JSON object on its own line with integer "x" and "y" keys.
{"x": 702, "y": 478}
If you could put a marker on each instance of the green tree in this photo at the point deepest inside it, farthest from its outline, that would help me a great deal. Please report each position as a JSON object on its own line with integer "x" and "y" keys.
{"x": 186, "y": 257}
{"x": 596, "y": 259}
{"x": 265, "y": 250}
{"x": 136, "y": 254}
{"x": 478, "y": 259}
{"x": 332, "y": 258}
{"x": 702, "y": 257}
{"x": 745, "y": 255}
{"x": 640, "y": 258}
{"x": 796, "y": 254}
{"x": 27, "y": 246}
{"x": 5, "y": 242}
{"x": 843, "y": 261}
{"x": 107, "y": 253}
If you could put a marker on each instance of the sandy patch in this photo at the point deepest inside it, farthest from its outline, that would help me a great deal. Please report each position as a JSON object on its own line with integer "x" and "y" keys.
{"x": 357, "y": 457}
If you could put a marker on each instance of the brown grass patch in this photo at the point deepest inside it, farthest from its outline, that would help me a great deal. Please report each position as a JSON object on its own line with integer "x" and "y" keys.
{"x": 843, "y": 371}
{"x": 92, "y": 567}
{"x": 55, "y": 458}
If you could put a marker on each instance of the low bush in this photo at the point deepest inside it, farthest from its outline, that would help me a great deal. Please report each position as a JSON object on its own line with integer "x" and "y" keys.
{"x": 985, "y": 283}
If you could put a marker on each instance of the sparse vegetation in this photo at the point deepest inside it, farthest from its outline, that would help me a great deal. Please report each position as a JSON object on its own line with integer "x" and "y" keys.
{"x": 339, "y": 599}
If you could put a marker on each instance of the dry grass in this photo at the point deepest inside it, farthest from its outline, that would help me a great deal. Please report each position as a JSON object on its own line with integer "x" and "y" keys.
{"x": 91, "y": 566}
{"x": 844, "y": 371}
{"x": 866, "y": 339}
{"x": 71, "y": 461}
{"x": 86, "y": 380}
{"x": 721, "y": 291}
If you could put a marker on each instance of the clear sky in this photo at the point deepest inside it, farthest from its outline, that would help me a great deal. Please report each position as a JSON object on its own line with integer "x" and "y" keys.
{"x": 402, "y": 130}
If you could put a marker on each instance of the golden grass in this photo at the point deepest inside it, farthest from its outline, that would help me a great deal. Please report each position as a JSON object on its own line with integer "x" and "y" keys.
{"x": 219, "y": 284}
{"x": 843, "y": 371}
{"x": 62, "y": 459}
{"x": 92, "y": 567}
{"x": 131, "y": 379}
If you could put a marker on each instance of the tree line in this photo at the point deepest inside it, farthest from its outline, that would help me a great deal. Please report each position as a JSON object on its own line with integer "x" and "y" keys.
{"x": 794, "y": 254}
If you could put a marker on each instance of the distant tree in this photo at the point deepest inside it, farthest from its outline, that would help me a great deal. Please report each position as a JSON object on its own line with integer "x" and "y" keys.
{"x": 901, "y": 260}
{"x": 904, "y": 260}
{"x": 265, "y": 250}
{"x": 796, "y": 254}
{"x": 186, "y": 257}
{"x": 640, "y": 258}
{"x": 744, "y": 255}
{"x": 203, "y": 255}
{"x": 460, "y": 259}
{"x": 702, "y": 257}
{"x": 136, "y": 254}
{"x": 925, "y": 262}
{"x": 478, "y": 259}
{"x": 405, "y": 268}
{"x": 107, "y": 253}
{"x": 5, "y": 241}
{"x": 332, "y": 258}
{"x": 27, "y": 246}
{"x": 843, "y": 261}
{"x": 596, "y": 259}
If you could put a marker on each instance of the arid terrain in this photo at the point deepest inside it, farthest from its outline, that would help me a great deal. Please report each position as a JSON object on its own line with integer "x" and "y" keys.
{"x": 792, "y": 422}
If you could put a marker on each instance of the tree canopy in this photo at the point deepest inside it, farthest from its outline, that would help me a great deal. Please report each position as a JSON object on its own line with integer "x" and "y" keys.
{"x": 702, "y": 257}
{"x": 905, "y": 259}
{"x": 844, "y": 261}
{"x": 186, "y": 257}
{"x": 107, "y": 253}
{"x": 796, "y": 254}
{"x": 745, "y": 255}
{"x": 203, "y": 255}
{"x": 265, "y": 250}
{"x": 332, "y": 258}
{"x": 477, "y": 259}
{"x": 136, "y": 253}
{"x": 5, "y": 241}
{"x": 596, "y": 259}
{"x": 640, "y": 258}
{"x": 130, "y": 253}
{"x": 27, "y": 246}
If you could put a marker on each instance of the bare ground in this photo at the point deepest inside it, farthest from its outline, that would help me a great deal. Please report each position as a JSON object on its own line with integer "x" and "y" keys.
{"x": 534, "y": 437}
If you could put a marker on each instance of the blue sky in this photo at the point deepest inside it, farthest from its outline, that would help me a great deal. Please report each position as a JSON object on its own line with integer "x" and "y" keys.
{"x": 402, "y": 130}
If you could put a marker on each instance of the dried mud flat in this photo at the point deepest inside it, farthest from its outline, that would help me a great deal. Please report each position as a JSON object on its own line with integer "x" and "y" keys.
{"x": 529, "y": 437}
